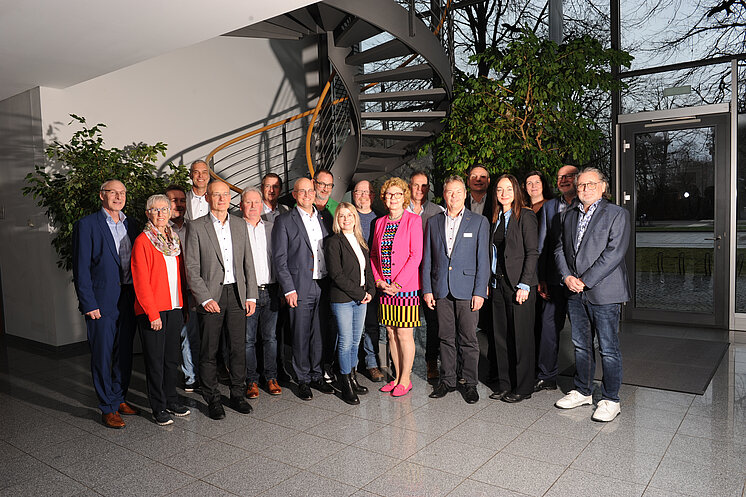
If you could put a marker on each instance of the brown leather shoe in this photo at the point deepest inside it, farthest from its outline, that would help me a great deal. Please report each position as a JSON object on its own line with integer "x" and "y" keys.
{"x": 253, "y": 391}
{"x": 432, "y": 370}
{"x": 375, "y": 374}
{"x": 112, "y": 420}
{"x": 128, "y": 410}
{"x": 274, "y": 387}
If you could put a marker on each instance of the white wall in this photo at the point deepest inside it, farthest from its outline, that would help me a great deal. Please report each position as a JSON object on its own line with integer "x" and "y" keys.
{"x": 185, "y": 98}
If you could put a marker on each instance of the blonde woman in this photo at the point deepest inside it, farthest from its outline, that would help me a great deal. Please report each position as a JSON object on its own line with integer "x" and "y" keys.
{"x": 352, "y": 287}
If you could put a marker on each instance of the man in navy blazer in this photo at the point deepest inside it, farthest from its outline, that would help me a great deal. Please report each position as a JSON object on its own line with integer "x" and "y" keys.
{"x": 300, "y": 268}
{"x": 102, "y": 247}
{"x": 554, "y": 311}
{"x": 590, "y": 258}
{"x": 455, "y": 272}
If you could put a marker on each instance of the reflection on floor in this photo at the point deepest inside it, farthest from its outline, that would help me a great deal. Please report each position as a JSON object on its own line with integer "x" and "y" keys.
{"x": 663, "y": 444}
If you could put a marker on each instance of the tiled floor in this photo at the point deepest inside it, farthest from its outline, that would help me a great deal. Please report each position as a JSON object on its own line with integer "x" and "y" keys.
{"x": 663, "y": 444}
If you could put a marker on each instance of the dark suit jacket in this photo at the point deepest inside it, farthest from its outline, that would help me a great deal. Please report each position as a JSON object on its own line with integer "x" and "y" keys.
{"x": 487, "y": 203}
{"x": 292, "y": 256}
{"x": 521, "y": 250}
{"x": 344, "y": 270}
{"x": 467, "y": 272}
{"x": 599, "y": 261}
{"x": 204, "y": 260}
{"x": 96, "y": 264}
{"x": 549, "y": 233}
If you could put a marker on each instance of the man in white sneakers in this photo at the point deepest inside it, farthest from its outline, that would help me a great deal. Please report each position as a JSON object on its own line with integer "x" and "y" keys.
{"x": 590, "y": 258}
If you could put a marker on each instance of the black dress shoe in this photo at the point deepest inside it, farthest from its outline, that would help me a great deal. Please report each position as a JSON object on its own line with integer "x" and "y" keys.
{"x": 498, "y": 395}
{"x": 304, "y": 391}
{"x": 240, "y": 405}
{"x": 545, "y": 385}
{"x": 322, "y": 386}
{"x": 471, "y": 396}
{"x": 441, "y": 391}
{"x": 512, "y": 398}
{"x": 215, "y": 410}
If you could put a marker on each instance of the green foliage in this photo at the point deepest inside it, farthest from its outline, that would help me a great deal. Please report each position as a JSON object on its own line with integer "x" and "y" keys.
{"x": 67, "y": 186}
{"x": 530, "y": 116}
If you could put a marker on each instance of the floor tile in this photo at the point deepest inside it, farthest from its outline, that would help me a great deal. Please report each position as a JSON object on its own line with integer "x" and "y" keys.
{"x": 574, "y": 482}
{"x": 345, "y": 428}
{"x": 307, "y": 484}
{"x": 482, "y": 433}
{"x": 26, "y": 476}
{"x": 302, "y": 417}
{"x": 429, "y": 420}
{"x": 472, "y": 488}
{"x": 615, "y": 462}
{"x": 395, "y": 441}
{"x": 657, "y": 492}
{"x": 302, "y": 450}
{"x": 567, "y": 424}
{"x": 354, "y": 466}
{"x": 519, "y": 474}
{"x": 408, "y": 479}
{"x": 152, "y": 480}
{"x": 251, "y": 476}
{"x": 714, "y": 428}
{"x": 257, "y": 435}
{"x": 201, "y": 489}
{"x": 207, "y": 458}
{"x": 8, "y": 452}
{"x": 452, "y": 456}
{"x": 708, "y": 452}
{"x": 633, "y": 437}
{"x": 697, "y": 480}
{"x": 546, "y": 447}
{"x": 510, "y": 414}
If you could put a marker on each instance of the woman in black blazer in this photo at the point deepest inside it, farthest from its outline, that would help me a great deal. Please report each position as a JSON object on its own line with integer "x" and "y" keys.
{"x": 352, "y": 287}
{"x": 513, "y": 290}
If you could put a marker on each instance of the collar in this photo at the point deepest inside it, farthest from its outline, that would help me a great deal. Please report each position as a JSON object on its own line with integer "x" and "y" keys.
{"x": 460, "y": 214}
{"x": 216, "y": 220}
{"x": 110, "y": 219}
{"x": 204, "y": 196}
{"x": 593, "y": 206}
{"x": 313, "y": 214}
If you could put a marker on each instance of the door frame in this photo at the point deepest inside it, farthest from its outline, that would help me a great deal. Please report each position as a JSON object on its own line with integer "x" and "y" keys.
{"x": 718, "y": 116}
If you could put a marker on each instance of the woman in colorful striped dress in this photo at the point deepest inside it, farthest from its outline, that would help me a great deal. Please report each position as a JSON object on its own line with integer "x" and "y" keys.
{"x": 395, "y": 256}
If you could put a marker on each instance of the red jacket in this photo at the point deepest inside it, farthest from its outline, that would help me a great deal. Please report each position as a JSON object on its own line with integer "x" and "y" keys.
{"x": 150, "y": 279}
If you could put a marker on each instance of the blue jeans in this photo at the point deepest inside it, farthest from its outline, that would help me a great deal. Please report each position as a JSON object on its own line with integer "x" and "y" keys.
{"x": 587, "y": 320}
{"x": 190, "y": 348}
{"x": 350, "y": 321}
{"x": 264, "y": 319}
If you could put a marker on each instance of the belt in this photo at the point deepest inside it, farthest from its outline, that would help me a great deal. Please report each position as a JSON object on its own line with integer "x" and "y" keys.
{"x": 268, "y": 286}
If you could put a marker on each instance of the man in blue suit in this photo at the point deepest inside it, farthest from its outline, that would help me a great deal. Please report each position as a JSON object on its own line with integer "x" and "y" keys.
{"x": 299, "y": 265}
{"x": 590, "y": 258}
{"x": 455, "y": 272}
{"x": 102, "y": 246}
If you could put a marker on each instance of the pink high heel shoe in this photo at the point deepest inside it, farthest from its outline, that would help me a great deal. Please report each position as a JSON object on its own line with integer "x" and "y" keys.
{"x": 388, "y": 386}
{"x": 400, "y": 391}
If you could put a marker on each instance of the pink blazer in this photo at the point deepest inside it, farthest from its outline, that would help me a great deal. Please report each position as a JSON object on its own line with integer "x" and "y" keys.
{"x": 406, "y": 252}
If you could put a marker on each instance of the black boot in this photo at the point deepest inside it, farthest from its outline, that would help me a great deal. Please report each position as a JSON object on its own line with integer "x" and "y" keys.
{"x": 348, "y": 394}
{"x": 357, "y": 387}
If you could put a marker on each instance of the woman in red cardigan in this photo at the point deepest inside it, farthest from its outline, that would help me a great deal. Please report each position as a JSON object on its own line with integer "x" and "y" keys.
{"x": 160, "y": 296}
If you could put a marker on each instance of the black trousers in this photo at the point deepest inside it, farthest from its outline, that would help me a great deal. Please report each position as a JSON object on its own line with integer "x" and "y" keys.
{"x": 162, "y": 352}
{"x": 232, "y": 315}
{"x": 551, "y": 323}
{"x": 455, "y": 318}
{"x": 513, "y": 326}
{"x": 432, "y": 341}
{"x": 307, "y": 335}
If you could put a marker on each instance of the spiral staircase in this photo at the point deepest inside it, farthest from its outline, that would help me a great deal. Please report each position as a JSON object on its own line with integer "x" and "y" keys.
{"x": 388, "y": 92}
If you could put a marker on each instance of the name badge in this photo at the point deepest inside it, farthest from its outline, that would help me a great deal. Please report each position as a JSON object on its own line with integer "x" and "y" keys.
{"x": 467, "y": 235}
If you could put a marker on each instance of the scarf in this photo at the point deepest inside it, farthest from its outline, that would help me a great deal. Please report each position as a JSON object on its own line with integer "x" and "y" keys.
{"x": 168, "y": 244}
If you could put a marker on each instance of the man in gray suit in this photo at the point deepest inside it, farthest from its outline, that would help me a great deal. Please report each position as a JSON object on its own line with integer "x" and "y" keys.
{"x": 590, "y": 257}
{"x": 220, "y": 271}
{"x": 455, "y": 272}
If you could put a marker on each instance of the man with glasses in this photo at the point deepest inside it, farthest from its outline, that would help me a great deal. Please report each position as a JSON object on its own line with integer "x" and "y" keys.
{"x": 102, "y": 248}
{"x": 362, "y": 195}
{"x": 220, "y": 272}
{"x": 271, "y": 188}
{"x": 197, "y": 205}
{"x": 300, "y": 268}
{"x": 590, "y": 257}
{"x": 550, "y": 283}
{"x": 323, "y": 183}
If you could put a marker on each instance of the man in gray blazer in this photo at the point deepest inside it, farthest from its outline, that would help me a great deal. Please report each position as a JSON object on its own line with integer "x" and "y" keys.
{"x": 220, "y": 271}
{"x": 590, "y": 258}
{"x": 455, "y": 272}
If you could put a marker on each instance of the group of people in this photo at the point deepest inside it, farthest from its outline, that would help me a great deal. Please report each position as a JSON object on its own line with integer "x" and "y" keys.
{"x": 203, "y": 286}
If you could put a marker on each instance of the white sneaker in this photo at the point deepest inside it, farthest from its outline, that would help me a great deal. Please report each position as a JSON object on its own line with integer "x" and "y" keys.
{"x": 574, "y": 399}
{"x": 606, "y": 411}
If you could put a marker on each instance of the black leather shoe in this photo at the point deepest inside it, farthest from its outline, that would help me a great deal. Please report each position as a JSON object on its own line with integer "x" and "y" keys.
{"x": 216, "y": 411}
{"x": 499, "y": 394}
{"x": 441, "y": 391}
{"x": 322, "y": 386}
{"x": 512, "y": 398}
{"x": 240, "y": 405}
{"x": 304, "y": 391}
{"x": 545, "y": 385}
{"x": 471, "y": 396}
{"x": 357, "y": 387}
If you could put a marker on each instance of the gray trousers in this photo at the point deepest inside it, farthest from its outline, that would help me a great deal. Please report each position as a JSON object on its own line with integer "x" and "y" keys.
{"x": 456, "y": 319}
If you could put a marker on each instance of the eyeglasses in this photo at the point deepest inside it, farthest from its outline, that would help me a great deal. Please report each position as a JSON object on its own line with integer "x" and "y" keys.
{"x": 116, "y": 193}
{"x": 396, "y": 195}
{"x": 162, "y": 210}
{"x": 362, "y": 192}
{"x": 566, "y": 176}
{"x": 590, "y": 186}
{"x": 324, "y": 185}
{"x": 305, "y": 192}
{"x": 219, "y": 195}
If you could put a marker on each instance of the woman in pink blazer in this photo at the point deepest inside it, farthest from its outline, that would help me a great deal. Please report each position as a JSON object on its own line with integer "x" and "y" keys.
{"x": 395, "y": 257}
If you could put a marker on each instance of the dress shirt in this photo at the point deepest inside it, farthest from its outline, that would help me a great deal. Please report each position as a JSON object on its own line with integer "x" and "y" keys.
{"x": 359, "y": 254}
{"x": 172, "y": 269}
{"x": 123, "y": 244}
{"x": 270, "y": 213}
{"x": 584, "y": 219}
{"x": 478, "y": 207}
{"x": 260, "y": 252}
{"x": 198, "y": 204}
{"x": 223, "y": 232}
{"x": 180, "y": 232}
{"x": 424, "y": 208}
{"x": 563, "y": 205}
{"x": 451, "y": 226}
{"x": 312, "y": 223}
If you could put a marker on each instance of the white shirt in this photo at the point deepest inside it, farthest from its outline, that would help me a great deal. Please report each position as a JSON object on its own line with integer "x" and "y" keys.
{"x": 478, "y": 207}
{"x": 198, "y": 206}
{"x": 260, "y": 252}
{"x": 223, "y": 232}
{"x": 172, "y": 268}
{"x": 359, "y": 253}
{"x": 451, "y": 226}
{"x": 312, "y": 223}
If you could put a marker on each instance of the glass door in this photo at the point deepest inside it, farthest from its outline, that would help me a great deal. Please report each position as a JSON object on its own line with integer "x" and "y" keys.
{"x": 674, "y": 181}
